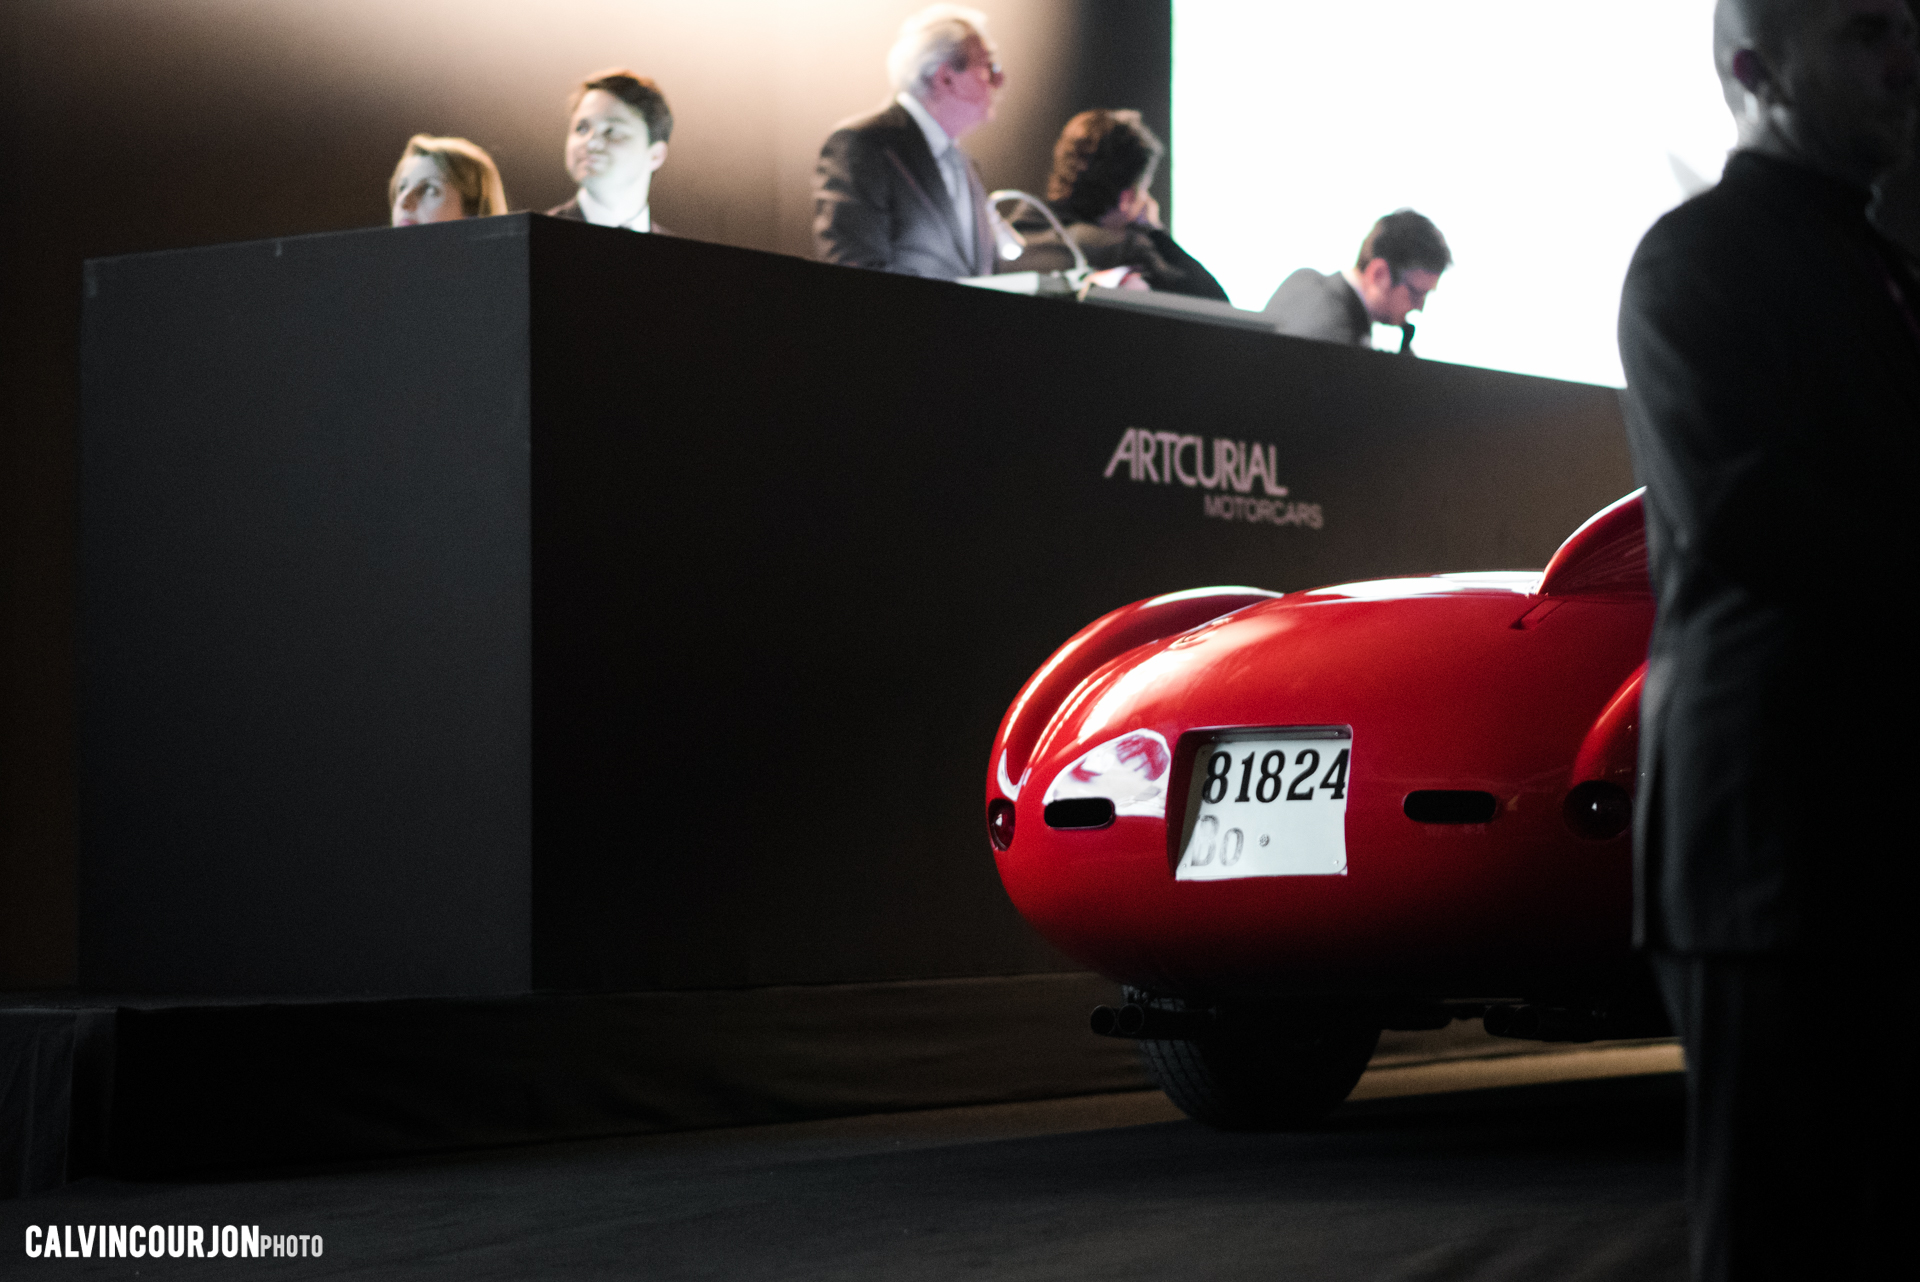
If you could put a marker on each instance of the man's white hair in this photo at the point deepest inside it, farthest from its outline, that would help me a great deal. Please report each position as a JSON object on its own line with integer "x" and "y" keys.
{"x": 930, "y": 40}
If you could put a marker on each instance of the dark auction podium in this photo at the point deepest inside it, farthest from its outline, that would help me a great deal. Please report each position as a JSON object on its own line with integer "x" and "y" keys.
{"x": 518, "y": 605}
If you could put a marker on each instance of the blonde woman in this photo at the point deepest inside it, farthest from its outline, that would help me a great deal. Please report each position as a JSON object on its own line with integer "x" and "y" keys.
{"x": 440, "y": 179}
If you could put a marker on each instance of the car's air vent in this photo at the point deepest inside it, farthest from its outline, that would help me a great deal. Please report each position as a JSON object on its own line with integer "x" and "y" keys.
{"x": 1079, "y": 812}
{"x": 1437, "y": 807}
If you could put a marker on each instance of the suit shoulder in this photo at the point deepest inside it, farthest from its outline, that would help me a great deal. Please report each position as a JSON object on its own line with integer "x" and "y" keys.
{"x": 1700, "y": 221}
{"x": 1306, "y": 289}
{"x": 1737, "y": 225}
{"x": 873, "y": 128}
{"x": 1305, "y": 279}
{"x": 1722, "y": 254}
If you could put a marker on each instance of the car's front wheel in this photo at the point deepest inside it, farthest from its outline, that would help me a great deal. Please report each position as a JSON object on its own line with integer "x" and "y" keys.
{"x": 1259, "y": 1069}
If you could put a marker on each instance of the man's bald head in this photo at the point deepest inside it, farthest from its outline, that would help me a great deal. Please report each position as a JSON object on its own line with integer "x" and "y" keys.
{"x": 1829, "y": 84}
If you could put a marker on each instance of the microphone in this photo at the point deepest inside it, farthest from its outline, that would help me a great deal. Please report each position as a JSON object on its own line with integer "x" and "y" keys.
{"x": 1012, "y": 245}
{"x": 1010, "y": 242}
{"x": 1406, "y": 338}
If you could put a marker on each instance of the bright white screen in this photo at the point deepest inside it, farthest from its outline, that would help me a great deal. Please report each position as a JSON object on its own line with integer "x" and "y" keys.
{"x": 1543, "y": 137}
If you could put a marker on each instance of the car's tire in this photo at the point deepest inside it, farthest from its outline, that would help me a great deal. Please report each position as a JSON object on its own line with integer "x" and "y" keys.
{"x": 1263, "y": 1070}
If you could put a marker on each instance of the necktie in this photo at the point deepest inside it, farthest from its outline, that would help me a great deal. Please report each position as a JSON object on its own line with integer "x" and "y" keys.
{"x": 953, "y": 171}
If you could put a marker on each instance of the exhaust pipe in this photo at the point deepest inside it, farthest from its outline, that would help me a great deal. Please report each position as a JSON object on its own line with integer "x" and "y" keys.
{"x": 1545, "y": 1023}
{"x": 1149, "y": 1023}
{"x": 1584, "y": 1022}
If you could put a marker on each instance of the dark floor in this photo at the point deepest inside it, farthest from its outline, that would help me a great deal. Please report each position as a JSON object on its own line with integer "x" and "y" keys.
{"x": 1570, "y": 1180}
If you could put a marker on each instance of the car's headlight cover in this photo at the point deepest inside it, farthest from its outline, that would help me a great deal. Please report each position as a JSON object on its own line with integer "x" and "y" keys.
{"x": 1131, "y": 771}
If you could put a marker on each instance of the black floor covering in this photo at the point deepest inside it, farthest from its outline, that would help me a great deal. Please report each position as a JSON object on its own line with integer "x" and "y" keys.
{"x": 1578, "y": 1181}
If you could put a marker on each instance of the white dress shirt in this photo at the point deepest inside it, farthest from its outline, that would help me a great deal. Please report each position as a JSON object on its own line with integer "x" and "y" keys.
{"x": 601, "y": 216}
{"x": 952, "y": 162}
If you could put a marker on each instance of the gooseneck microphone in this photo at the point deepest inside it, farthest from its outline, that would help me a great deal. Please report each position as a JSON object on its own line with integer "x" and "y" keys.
{"x": 1012, "y": 244}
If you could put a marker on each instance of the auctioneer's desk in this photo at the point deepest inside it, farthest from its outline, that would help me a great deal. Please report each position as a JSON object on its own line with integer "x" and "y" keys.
{"x": 517, "y": 605}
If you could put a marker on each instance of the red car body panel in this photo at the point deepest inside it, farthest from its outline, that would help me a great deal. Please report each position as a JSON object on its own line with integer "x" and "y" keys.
{"x": 1518, "y": 685}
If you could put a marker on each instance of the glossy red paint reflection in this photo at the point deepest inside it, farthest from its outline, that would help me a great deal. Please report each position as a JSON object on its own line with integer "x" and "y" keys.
{"x": 1520, "y": 685}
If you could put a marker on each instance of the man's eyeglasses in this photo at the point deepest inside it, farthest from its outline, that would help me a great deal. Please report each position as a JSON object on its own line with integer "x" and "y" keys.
{"x": 995, "y": 73}
{"x": 1418, "y": 294}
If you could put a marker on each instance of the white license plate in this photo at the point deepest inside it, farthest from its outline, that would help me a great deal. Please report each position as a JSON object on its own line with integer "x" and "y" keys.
{"x": 1268, "y": 803}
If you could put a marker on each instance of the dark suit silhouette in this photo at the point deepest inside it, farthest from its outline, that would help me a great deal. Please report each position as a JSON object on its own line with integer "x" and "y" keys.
{"x": 1772, "y": 354}
{"x": 571, "y": 210}
{"x": 879, "y": 202}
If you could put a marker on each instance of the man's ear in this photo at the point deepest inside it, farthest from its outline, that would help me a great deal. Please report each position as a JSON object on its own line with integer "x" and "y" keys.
{"x": 1751, "y": 70}
{"x": 1378, "y": 273}
{"x": 942, "y": 82}
{"x": 656, "y": 155}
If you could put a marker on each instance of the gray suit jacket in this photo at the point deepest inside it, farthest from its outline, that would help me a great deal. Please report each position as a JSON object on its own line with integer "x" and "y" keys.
{"x": 1311, "y": 305}
{"x": 879, "y": 202}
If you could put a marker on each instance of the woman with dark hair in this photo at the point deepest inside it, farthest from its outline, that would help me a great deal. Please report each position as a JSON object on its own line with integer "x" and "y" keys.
{"x": 439, "y": 179}
{"x": 1103, "y": 165}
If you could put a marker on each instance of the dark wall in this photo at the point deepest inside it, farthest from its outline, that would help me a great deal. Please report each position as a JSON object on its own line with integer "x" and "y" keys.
{"x": 695, "y": 620}
{"x": 1121, "y": 56}
{"x": 132, "y": 125}
{"x": 303, "y": 618}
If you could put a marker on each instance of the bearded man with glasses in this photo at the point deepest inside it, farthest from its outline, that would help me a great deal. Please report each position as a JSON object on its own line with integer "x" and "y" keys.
{"x": 1399, "y": 264}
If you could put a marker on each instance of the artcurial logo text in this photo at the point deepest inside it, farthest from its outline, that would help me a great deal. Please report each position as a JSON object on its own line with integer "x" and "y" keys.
{"x": 1230, "y": 467}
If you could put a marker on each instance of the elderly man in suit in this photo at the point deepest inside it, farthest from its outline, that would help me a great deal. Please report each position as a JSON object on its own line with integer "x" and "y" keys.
{"x": 1399, "y": 264}
{"x": 893, "y": 190}
{"x": 1771, "y": 342}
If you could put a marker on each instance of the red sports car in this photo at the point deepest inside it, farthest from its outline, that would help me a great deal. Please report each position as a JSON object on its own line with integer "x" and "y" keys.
{"x": 1285, "y": 822}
